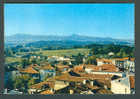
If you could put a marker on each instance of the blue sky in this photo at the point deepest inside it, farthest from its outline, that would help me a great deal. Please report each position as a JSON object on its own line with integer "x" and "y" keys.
{"x": 99, "y": 20}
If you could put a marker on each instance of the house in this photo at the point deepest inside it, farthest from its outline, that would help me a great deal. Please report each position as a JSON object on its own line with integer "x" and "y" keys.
{"x": 62, "y": 68}
{"x": 79, "y": 68}
{"x": 63, "y": 59}
{"x": 31, "y": 71}
{"x": 101, "y": 68}
{"x": 68, "y": 78}
{"x": 103, "y": 61}
{"x": 130, "y": 65}
{"x": 91, "y": 68}
{"x": 59, "y": 84}
{"x": 119, "y": 62}
{"x": 110, "y": 53}
{"x": 48, "y": 87}
{"x": 40, "y": 87}
{"x": 125, "y": 63}
{"x": 74, "y": 89}
{"x": 98, "y": 80}
{"x": 46, "y": 71}
{"x": 12, "y": 92}
{"x": 121, "y": 86}
{"x": 11, "y": 75}
{"x": 14, "y": 74}
{"x": 109, "y": 68}
{"x": 52, "y": 59}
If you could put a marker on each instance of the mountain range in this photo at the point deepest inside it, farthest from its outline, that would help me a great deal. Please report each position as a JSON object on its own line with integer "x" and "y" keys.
{"x": 81, "y": 39}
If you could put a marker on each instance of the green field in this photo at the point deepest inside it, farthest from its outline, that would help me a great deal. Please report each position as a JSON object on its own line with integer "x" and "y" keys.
{"x": 67, "y": 52}
{"x": 12, "y": 59}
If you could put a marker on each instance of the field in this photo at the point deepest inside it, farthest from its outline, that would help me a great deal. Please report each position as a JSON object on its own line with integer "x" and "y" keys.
{"x": 12, "y": 59}
{"x": 67, "y": 52}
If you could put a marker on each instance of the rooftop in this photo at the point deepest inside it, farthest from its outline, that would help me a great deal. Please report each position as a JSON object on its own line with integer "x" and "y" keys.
{"x": 105, "y": 60}
{"x": 47, "y": 67}
{"x": 41, "y": 84}
{"x": 30, "y": 70}
{"x": 68, "y": 77}
{"x": 122, "y": 59}
{"x": 104, "y": 67}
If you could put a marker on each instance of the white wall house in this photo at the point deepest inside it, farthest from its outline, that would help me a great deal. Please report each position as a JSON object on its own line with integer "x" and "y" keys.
{"x": 121, "y": 86}
{"x": 130, "y": 65}
{"x": 46, "y": 72}
{"x": 100, "y": 63}
{"x": 60, "y": 84}
{"x": 103, "y": 61}
{"x": 90, "y": 71}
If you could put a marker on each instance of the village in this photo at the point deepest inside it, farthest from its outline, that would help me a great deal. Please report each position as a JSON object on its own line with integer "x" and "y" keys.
{"x": 108, "y": 76}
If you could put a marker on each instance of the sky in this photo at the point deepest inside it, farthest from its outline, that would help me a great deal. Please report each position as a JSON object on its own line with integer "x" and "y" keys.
{"x": 98, "y": 20}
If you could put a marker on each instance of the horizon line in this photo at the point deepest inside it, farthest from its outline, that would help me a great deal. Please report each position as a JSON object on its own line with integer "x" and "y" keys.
{"x": 71, "y": 35}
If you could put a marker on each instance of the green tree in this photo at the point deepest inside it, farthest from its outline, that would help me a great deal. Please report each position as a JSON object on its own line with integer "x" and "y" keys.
{"x": 94, "y": 51}
{"x": 9, "y": 83}
{"x": 10, "y": 52}
{"x": 18, "y": 83}
{"x": 91, "y": 60}
{"x": 32, "y": 81}
{"x": 79, "y": 58}
{"x": 25, "y": 62}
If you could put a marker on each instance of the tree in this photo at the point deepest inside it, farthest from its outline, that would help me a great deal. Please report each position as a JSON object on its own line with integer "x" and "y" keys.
{"x": 25, "y": 62}
{"x": 91, "y": 60}
{"x": 10, "y": 52}
{"x": 9, "y": 83}
{"x": 94, "y": 51}
{"x": 79, "y": 58}
{"x": 18, "y": 83}
{"x": 34, "y": 61}
{"x": 32, "y": 81}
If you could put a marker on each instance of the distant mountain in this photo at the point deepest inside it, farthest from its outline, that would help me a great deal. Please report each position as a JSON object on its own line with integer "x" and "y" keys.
{"x": 76, "y": 39}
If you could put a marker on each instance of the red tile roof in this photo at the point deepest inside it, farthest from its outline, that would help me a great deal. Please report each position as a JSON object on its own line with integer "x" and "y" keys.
{"x": 104, "y": 67}
{"x": 39, "y": 85}
{"x": 109, "y": 68}
{"x": 47, "y": 67}
{"x": 63, "y": 66}
{"x": 121, "y": 59}
{"x": 105, "y": 60}
{"x": 96, "y": 76}
{"x": 67, "y": 77}
{"x": 78, "y": 68}
{"x": 132, "y": 59}
{"x": 30, "y": 70}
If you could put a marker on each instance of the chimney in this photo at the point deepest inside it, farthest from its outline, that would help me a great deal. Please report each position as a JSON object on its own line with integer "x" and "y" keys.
{"x": 71, "y": 91}
{"x": 91, "y": 83}
{"x": 84, "y": 81}
{"x": 52, "y": 90}
{"x": 105, "y": 86}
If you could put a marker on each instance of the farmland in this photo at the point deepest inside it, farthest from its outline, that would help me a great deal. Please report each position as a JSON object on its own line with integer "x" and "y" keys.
{"x": 66, "y": 52}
